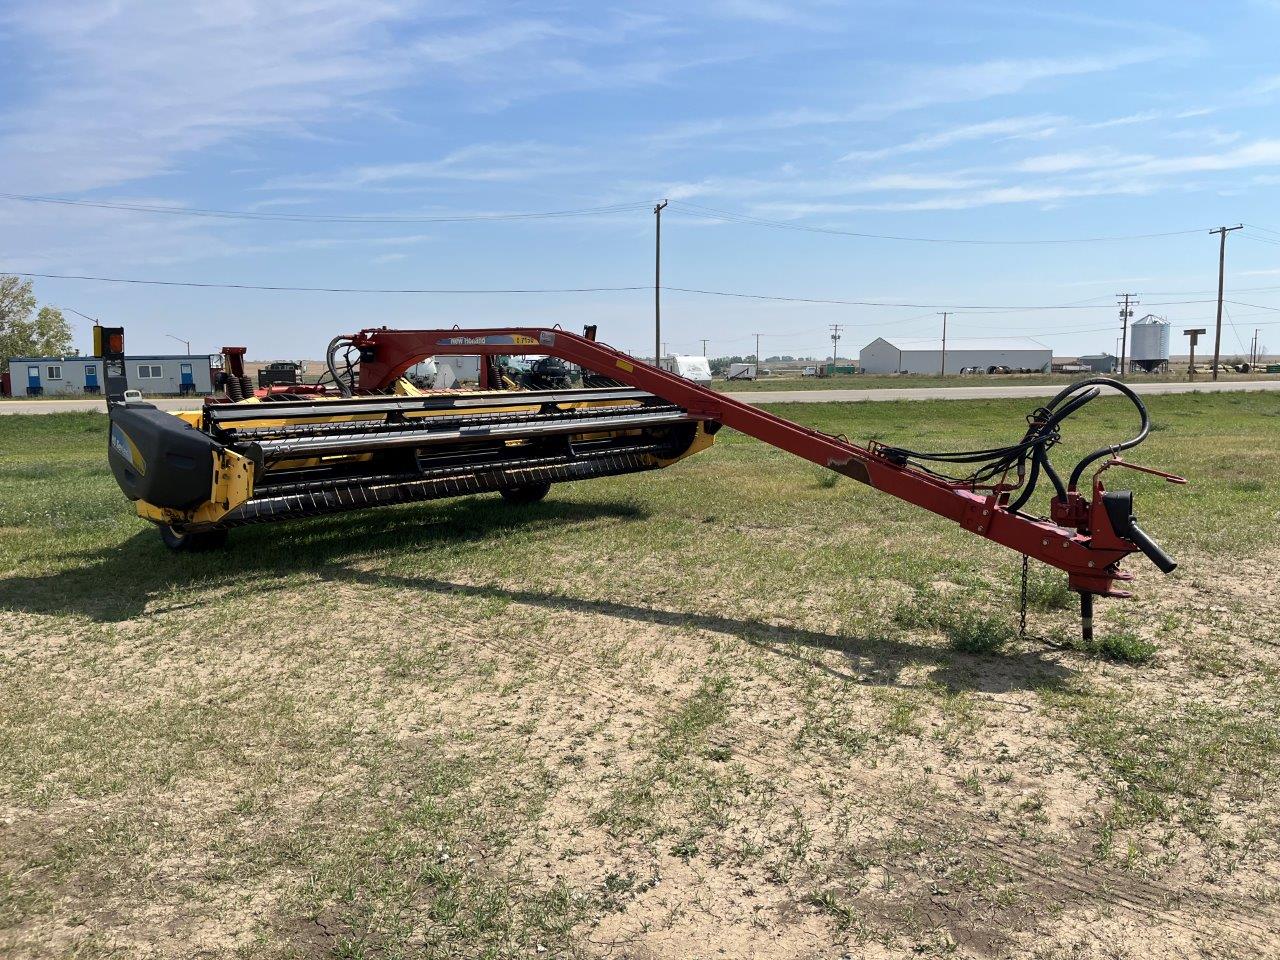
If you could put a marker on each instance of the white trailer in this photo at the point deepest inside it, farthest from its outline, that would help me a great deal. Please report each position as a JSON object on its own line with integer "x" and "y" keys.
{"x": 462, "y": 368}
{"x": 696, "y": 369}
{"x": 742, "y": 371}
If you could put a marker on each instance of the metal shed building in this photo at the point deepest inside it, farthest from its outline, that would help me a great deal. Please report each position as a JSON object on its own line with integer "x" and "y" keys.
{"x": 1101, "y": 363}
{"x": 76, "y": 376}
{"x": 925, "y": 356}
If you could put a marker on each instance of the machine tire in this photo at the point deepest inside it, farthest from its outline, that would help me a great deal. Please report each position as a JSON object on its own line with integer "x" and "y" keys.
{"x": 529, "y": 493}
{"x": 193, "y": 542}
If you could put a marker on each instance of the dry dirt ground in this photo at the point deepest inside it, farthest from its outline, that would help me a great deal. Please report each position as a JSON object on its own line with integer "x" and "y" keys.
{"x": 653, "y": 717}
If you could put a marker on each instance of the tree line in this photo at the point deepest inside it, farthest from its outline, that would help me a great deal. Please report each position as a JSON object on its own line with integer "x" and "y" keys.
{"x": 26, "y": 328}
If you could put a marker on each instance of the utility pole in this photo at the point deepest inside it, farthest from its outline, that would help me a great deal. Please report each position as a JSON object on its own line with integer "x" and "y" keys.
{"x": 1253, "y": 352}
{"x": 943, "y": 372}
{"x": 1222, "y": 266}
{"x": 704, "y": 346}
{"x": 835, "y": 340}
{"x": 757, "y": 354}
{"x": 180, "y": 340}
{"x": 657, "y": 283}
{"x": 1125, "y": 313}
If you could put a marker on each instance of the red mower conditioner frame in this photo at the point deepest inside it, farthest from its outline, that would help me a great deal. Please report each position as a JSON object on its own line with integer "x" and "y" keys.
{"x": 1102, "y": 531}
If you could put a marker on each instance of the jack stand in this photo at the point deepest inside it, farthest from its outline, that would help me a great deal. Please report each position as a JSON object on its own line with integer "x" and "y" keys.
{"x": 1086, "y": 616}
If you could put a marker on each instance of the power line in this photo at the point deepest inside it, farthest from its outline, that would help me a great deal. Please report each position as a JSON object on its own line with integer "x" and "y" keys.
{"x": 287, "y": 289}
{"x": 1256, "y": 306}
{"x": 1234, "y": 329}
{"x": 160, "y": 209}
{"x": 952, "y": 307}
{"x": 784, "y": 225}
{"x": 1187, "y": 293}
{"x": 1254, "y": 226}
{"x": 919, "y": 306}
{"x": 321, "y": 218}
{"x": 79, "y": 314}
{"x": 1270, "y": 240}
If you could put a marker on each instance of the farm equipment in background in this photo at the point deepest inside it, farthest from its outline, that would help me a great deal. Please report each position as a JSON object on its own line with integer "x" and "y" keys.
{"x": 281, "y": 373}
{"x": 381, "y": 441}
{"x": 277, "y": 380}
{"x": 230, "y": 379}
{"x": 546, "y": 373}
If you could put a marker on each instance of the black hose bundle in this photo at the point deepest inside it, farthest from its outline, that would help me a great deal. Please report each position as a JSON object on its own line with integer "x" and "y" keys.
{"x": 1029, "y": 457}
{"x": 345, "y": 380}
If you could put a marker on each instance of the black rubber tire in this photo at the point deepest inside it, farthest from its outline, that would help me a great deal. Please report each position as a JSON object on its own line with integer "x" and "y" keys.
{"x": 193, "y": 542}
{"x": 530, "y": 493}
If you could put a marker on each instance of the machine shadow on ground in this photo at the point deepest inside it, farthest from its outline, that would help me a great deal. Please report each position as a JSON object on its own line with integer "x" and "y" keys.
{"x": 116, "y": 584}
{"x": 868, "y": 658}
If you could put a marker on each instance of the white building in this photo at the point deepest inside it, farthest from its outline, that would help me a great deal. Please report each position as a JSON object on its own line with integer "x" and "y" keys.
{"x": 901, "y": 355}
{"x": 76, "y": 376}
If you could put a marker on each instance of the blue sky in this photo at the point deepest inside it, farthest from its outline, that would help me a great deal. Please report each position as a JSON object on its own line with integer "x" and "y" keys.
{"x": 975, "y": 121}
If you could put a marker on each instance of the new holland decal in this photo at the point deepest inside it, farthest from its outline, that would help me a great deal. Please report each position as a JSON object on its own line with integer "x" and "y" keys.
{"x": 126, "y": 448}
{"x": 505, "y": 338}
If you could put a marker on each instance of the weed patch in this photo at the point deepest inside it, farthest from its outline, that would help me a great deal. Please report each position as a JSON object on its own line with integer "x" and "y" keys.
{"x": 967, "y": 630}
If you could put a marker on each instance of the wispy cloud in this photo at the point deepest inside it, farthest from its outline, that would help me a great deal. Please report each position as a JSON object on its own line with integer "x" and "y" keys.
{"x": 465, "y": 47}
{"x": 1069, "y": 162}
{"x": 1040, "y": 179}
{"x": 144, "y": 83}
{"x": 919, "y": 87}
{"x": 503, "y": 61}
{"x": 1263, "y": 86}
{"x": 1148, "y": 116}
{"x": 1260, "y": 153}
{"x": 966, "y": 82}
{"x": 773, "y": 13}
{"x": 478, "y": 163}
{"x": 746, "y": 187}
{"x": 959, "y": 200}
{"x": 987, "y": 129}
{"x": 39, "y": 239}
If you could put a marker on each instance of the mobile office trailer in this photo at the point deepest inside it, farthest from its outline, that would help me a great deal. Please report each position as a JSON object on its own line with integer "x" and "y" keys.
{"x": 696, "y": 369}
{"x": 177, "y": 375}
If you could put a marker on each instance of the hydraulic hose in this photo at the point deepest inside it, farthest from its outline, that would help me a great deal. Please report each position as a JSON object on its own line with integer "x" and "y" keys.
{"x": 344, "y": 385}
{"x": 1030, "y": 455}
{"x": 1141, "y": 435}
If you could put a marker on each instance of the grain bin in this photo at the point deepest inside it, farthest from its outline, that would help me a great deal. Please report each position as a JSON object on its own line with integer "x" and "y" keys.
{"x": 1150, "y": 344}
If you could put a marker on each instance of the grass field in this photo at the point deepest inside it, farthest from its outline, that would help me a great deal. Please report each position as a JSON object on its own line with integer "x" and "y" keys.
{"x": 906, "y": 381}
{"x": 728, "y": 709}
